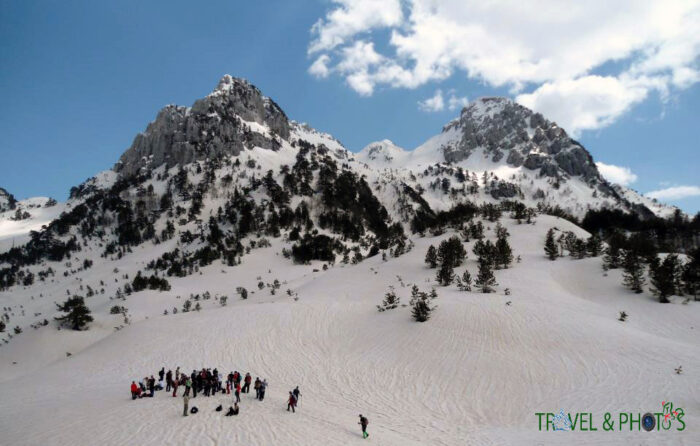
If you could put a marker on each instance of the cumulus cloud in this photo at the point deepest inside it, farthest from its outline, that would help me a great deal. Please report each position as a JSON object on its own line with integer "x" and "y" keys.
{"x": 438, "y": 103}
{"x": 616, "y": 174}
{"x": 320, "y": 66}
{"x": 433, "y": 104}
{"x": 674, "y": 193}
{"x": 547, "y": 52}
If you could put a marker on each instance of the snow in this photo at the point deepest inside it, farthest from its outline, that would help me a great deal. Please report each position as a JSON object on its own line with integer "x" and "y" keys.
{"x": 16, "y": 232}
{"x": 475, "y": 373}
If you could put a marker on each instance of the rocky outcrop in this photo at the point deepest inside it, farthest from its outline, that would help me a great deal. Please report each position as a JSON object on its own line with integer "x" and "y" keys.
{"x": 235, "y": 116}
{"x": 503, "y": 128}
{"x": 7, "y": 200}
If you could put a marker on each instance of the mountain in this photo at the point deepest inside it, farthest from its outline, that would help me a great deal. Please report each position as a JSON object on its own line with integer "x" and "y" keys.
{"x": 7, "y": 200}
{"x": 229, "y": 236}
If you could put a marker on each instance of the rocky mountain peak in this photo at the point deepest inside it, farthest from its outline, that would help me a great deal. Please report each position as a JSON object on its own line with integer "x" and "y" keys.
{"x": 506, "y": 129}
{"x": 233, "y": 117}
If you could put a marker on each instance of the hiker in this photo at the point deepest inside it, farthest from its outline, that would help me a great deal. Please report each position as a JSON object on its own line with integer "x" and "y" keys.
{"x": 177, "y": 374}
{"x": 263, "y": 387}
{"x": 176, "y": 383}
{"x": 134, "y": 390}
{"x": 296, "y": 393}
{"x": 186, "y": 400}
{"x": 161, "y": 374}
{"x": 228, "y": 388}
{"x": 238, "y": 392}
{"x": 151, "y": 385}
{"x": 168, "y": 380}
{"x": 246, "y": 383}
{"x": 188, "y": 386}
{"x": 257, "y": 388}
{"x": 364, "y": 422}
{"x": 292, "y": 402}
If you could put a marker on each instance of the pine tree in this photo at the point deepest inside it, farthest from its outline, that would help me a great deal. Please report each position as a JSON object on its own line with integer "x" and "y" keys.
{"x": 594, "y": 245}
{"x": 504, "y": 254}
{"x": 485, "y": 281}
{"x": 465, "y": 283}
{"x": 663, "y": 277}
{"x": 421, "y": 311}
{"x": 391, "y": 301}
{"x": 691, "y": 273}
{"x": 431, "y": 257}
{"x": 445, "y": 275}
{"x": 77, "y": 313}
{"x": 633, "y": 271}
{"x": 550, "y": 246}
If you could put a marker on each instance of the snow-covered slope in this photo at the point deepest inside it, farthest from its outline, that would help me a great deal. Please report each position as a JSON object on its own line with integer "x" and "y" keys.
{"x": 476, "y": 373}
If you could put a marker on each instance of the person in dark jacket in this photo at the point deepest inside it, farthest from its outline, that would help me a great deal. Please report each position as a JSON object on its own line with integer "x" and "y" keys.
{"x": 364, "y": 422}
{"x": 291, "y": 402}
{"x": 161, "y": 374}
{"x": 168, "y": 380}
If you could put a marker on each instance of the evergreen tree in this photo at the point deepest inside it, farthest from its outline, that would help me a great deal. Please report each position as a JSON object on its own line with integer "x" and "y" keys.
{"x": 594, "y": 245}
{"x": 663, "y": 276}
{"x": 633, "y": 271}
{"x": 612, "y": 257}
{"x": 465, "y": 283}
{"x": 550, "y": 246}
{"x": 431, "y": 257}
{"x": 77, "y": 314}
{"x": 445, "y": 275}
{"x": 420, "y": 304}
{"x": 485, "y": 281}
{"x": 691, "y": 273}
{"x": 391, "y": 301}
{"x": 451, "y": 251}
{"x": 504, "y": 254}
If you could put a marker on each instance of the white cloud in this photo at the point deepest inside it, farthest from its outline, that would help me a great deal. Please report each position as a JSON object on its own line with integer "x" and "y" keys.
{"x": 320, "y": 66}
{"x": 586, "y": 103}
{"x": 548, "y": 51}
{"x": 437, "y": 102}
{"x": 351, "y": 17}
{"x": 674, "y": 193}
{"x": 616, "y": 174}
{"x": 456, "y": 102}
{"x": 433, "y": 104}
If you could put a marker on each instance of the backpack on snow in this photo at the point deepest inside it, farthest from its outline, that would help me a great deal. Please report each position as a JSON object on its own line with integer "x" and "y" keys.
{"x": 219, "y": 408}
{"x": 194, "y": 410}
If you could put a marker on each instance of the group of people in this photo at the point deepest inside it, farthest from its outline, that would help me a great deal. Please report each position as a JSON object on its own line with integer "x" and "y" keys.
{"x": 208, "y": 382}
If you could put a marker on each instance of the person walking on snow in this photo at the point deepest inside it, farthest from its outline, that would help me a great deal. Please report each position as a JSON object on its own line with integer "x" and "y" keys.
{"x": 292, "y": 402}
{"x": 263, "y": 387}
{"x": 186, "y": 400}
{"x": 188, "y": 386}
{"x": 364, "y": 422}
{"x": 161, "y": 374}
{"x": 238, "y": 392}
{"x": 168, "y": 380}
{"x": 296, "y": 393}
{"x": 256, "y": 386}
{"x": 134, "y": 390}
{"x": 246, "y": 383}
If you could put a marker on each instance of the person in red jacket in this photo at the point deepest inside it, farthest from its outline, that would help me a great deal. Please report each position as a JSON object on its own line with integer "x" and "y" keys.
{"x": 292, "y": 402}
{"x": 134, "y": 390}
{"x": 246, "y": 383}
{"x": 238, "y": 392}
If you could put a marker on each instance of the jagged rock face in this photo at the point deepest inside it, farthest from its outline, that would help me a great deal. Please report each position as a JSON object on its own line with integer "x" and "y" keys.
{"x": 503, "y": 128}
{"x": 233, "y": 117}
{"x": 7, "y": 200}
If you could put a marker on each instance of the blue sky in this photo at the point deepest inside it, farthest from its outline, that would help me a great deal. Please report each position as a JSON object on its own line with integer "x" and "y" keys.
{"x": 79, "y": 79}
